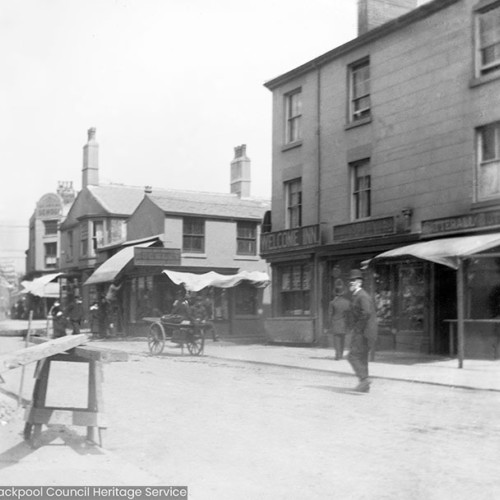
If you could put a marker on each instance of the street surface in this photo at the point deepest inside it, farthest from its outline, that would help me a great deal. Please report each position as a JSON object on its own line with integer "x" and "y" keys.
{"x": 232, "y": 430}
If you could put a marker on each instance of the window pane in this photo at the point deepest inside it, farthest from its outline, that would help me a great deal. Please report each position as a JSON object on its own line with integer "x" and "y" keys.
{"x": 489, "y": 180}
{"x": 50, "y": 226}
{"x": 489, "y": 27}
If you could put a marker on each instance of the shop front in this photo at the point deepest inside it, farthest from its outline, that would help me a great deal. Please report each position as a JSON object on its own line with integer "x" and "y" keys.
{"x": 292, "y": 256}
{"x": 462, "y": 290}
{"x": 146, "y": 280}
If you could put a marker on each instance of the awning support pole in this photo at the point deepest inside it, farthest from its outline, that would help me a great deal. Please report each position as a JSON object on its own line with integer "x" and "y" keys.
{"x": 460, "y": 312}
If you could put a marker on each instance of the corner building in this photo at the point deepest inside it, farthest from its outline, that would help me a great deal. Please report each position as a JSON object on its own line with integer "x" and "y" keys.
{"x": 389, "y": 140}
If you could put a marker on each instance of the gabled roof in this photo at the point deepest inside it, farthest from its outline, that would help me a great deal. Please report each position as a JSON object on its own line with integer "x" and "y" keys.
{"x": 209, "y": 204}
{"x": 118, "y": 199}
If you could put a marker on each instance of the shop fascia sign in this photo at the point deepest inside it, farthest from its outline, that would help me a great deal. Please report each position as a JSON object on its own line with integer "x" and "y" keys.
{"x": 290, "y": 239}
{"x": 364, "y": 229}
{"x": 151, "y": 256}
{"x": 461, "y": 222}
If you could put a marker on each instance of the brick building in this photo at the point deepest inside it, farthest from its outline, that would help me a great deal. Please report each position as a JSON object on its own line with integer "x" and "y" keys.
{"x": 390, "y": 139}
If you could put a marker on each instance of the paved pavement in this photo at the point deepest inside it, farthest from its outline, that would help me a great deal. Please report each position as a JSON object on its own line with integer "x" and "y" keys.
{"x": 411, "y": 367}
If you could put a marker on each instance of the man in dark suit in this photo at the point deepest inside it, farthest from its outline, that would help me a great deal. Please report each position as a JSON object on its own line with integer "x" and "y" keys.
{"x": 364, "y": 330}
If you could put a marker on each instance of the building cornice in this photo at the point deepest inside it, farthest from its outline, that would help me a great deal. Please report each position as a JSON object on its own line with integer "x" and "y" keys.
{"x": 411, "y": 17}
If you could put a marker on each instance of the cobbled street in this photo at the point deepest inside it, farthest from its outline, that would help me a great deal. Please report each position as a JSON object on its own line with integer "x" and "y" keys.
{"x": 234, "y": 430}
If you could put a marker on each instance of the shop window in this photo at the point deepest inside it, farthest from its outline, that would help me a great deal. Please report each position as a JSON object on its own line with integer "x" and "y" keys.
{"x": 359, "y": 91}
{"x": 50, "y": 227}
{"x": 294, "y": 289}
{"x": 293, "y": 195}
{"x": 488, "y": 171}
{"x": 400, "y": 296}
{"x": 221, "y": 304}
{"x": 193, "y": 235}
{"x": 245, "y": 300}
{"x": 293, "y": 106}
{"x": 361, "y": 189}
{"x": 488, "y": 40}
{"x": 246, "y": 243}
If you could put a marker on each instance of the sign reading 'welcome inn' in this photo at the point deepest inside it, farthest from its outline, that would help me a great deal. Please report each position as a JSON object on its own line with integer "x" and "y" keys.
{"x": 289, "y": 239}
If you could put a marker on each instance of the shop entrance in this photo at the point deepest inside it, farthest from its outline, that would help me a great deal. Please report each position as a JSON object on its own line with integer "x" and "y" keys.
{"x": 446, "y": 307}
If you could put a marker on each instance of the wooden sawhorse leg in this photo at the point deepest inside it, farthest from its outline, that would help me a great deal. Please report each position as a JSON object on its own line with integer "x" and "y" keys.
{"x": 38, "y": 414}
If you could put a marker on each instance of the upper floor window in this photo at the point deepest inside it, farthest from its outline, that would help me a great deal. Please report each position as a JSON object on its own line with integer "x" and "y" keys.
{"x": 359, "y": 90}
{"x": 488, "y": 39}
{"x": 70, "y": 247}
{"x": 488, "y": 172}
{"x": 246, "y": 239}
{"x": 361, "y": 189}
{"x": 293, "y": 107}
{"x": 293, "y": 194}
{"x": 50, "y": 227}
{"x": 97, "y": 235}
{"x": 193, "y": 235}
{"x": 51, "y": 255}
{"x": 84, "y": 240}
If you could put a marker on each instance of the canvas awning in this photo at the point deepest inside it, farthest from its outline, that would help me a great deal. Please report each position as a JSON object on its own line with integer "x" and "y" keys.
{"x": 110, "y": 269}
{"x": 43, "y": 286}
{"x": 446, "y": 251}
{"x": 196, "y": 282}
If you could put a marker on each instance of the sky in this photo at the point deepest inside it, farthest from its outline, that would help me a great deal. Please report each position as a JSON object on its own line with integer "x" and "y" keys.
{"x": 171, "y": 86}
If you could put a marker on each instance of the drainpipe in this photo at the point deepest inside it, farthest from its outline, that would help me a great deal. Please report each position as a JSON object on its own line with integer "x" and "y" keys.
{"x": 318, "y": 275}
{"x": 460, "y": 312}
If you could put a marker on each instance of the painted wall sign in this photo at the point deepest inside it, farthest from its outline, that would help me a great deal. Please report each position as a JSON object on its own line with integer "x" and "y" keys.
{"x": 157, "y": 256}
{"x": 461, "y": 222}
{"x": 289, "y": 239}
{"x": 49, "y": 206}
{"x": 364, "y": 229}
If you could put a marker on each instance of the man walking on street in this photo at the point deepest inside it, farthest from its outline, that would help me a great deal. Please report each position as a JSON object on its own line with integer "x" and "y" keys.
{"x": 364, "y": 330}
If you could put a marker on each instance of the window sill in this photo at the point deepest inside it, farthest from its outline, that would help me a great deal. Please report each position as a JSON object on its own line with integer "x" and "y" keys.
{"x": 246, "y": 257}
{"x": 190, "y": 255}
{"x": 478, "y": 205}
{"x": 481, "y": 80}
{"x": 292, "y": 145}
{"x": 358, "y": 123}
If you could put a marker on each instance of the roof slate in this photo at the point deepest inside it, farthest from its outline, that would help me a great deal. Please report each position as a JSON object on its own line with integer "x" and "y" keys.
{"x": 209, "y": 204}
{"x": 123, "y": 200}
{"x": 117, "y": 198}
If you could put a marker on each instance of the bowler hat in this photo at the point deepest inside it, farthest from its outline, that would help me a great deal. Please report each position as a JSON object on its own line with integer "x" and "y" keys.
{"x": 355, "y": 274}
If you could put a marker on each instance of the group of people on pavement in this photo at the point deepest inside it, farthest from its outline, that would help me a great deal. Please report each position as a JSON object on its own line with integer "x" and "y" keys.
{"x": 72, "y": 316}
{"x": 355, "y": 317}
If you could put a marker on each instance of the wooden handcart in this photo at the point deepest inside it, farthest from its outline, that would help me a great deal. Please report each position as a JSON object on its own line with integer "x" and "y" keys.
{"x": 186, "y": 333}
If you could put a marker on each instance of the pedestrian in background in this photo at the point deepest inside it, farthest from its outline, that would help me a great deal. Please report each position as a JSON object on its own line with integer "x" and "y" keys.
{"x": 58, "y": 320}
{"x": 339, "y": 314}
{"x": 364, "y": 330}
{"x": 75, "y": 314}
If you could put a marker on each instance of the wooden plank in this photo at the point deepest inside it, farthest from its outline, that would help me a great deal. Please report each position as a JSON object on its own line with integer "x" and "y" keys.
{"x": 100, "y": 354}
{"x": 92, "y": 352}
{"x": 65, "y": 416}
{"x": 31, "y": 354}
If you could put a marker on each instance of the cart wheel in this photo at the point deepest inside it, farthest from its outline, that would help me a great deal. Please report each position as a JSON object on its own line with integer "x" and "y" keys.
{"x": 156, "y": 338}
{"x": 195, "y": 344}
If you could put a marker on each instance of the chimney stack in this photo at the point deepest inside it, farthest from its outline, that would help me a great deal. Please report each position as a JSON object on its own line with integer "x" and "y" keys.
{"x": 90, "y": 171}
{"x": 374, "y": 13}
{"x": 240, "y": 172}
